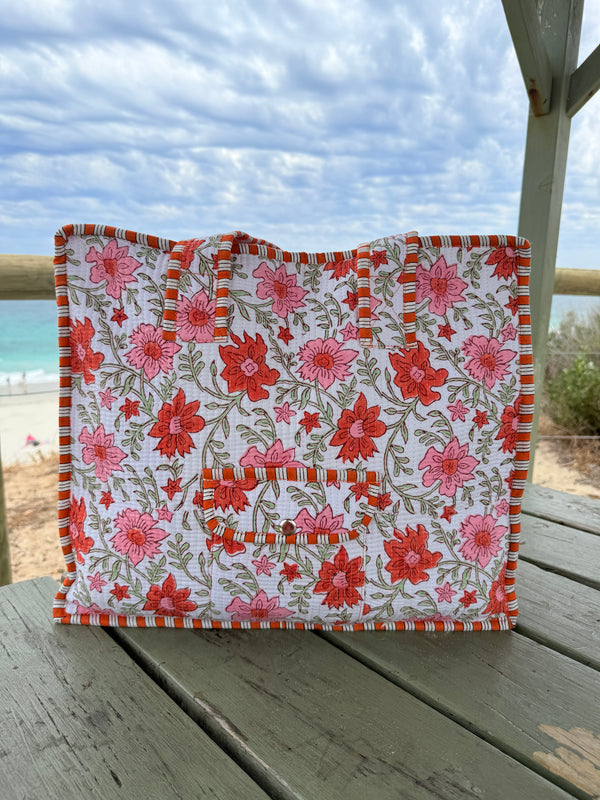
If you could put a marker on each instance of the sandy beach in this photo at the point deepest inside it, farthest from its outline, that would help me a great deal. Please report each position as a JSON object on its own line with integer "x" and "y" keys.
{"x": 30, "y": 481}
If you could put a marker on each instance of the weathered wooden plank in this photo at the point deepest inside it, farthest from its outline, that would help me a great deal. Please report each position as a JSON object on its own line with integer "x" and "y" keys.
{"x": 568, "y": 551}
{"x": 524, "y": 27}
{"x": 585, "y": 82}
{"x": 26, "y": 277}
{"x": 5, "y": 569}
{"x": 584, "y": 282}
{"x": 81, "y": 719}
{"x": 307, "y": 721}
{"x": 507, "y": 689}
{"x": 576, "y": 512}
{"x": 560, "y": 613}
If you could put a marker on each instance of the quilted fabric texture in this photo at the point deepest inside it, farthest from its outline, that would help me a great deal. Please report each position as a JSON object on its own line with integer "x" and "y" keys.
{"x": 256, "y": 438}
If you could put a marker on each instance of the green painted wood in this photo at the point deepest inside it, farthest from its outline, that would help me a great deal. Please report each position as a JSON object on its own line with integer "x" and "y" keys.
{"x": 81, "y": 720}
{"x": 506, "y": 688}
{"x": 26, "y": 277}
{"x": 306, "y": 721}
{"x": 559, "y": 612}
{"x": 585, "y": 82}
{"x": 524, "y": 26}
{"x": 567, "y": 551}
{"x": 5, "y": 569}
{"x": 569, "y": 509}
{"x": 545, "y": 167}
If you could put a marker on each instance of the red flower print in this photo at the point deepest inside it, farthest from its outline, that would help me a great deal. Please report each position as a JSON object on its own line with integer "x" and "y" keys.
{"x": 197, "y": 501}
{"x": 415, "y": 376}
{"x": 360, "y": 489}
{"x": 409, "y": 556}
{"x": 231, "y": 546}
{"x": 440, "y": 285}
{"x": 356, "y": 429}
{"x": 351, "y": 300}
{"x": 324, "y": 524}
{"x": 196, "y": 318}
{"x": 446, "y": 332}
{"x": 120, "y": 591}
{"x": 260, "y": 609}
{"x": 275, "y": 456}
{"x": 338, "y": 580}
{"x": 245, "y": 366}
{"x": 285, "y": 335}
{"x": 113, "y": 265}
{"x": 453, "y": 467}
{"x": 339, "y": 269}
{"x": 378, "y": 257}
{"x": 279, "y": 286}
{"x": 513, "y": 305}
{"x": 447, "y": 513}
{"x": 130, "y": 408}
{"x": 290, "y": 571}
{"x": 106, "y": 499}
{"x": 172, "y": 487}
{"x": 310, "y": 421}
{"x": 79, "y": 541}
{"x": 498, "y": 603}
{"x": 100, "y": 450}
{"x": 136, "y": 535}
{"x": 175, "y": 423}
{"x": 325, "y": 361}
{"x": 188, "y": 253}
{"x": 119, "y": 316}
{"x": 509, "y": 427}
{"x": 169, "y": 601}
{"x": 383, "y": 501}
{"x": 505, "y": 260}
{"x": 83, "y": 359}
{"x": 488, "y": 362}
{"x": 150, "y": 352}
{"x": 480, "y": 419}
{"x": 233, "y": 494}
{"x": 468, "y": 598}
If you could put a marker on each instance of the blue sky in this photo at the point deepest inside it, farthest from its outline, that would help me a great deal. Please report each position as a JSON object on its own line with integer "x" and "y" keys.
{"x": 316, "y": 124}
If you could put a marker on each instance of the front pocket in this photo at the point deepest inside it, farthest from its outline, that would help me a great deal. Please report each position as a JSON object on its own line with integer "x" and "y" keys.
{"x": 288, "y": 505}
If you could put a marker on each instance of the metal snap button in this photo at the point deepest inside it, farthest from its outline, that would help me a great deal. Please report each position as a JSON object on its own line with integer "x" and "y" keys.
{"x": 288, "y": 526}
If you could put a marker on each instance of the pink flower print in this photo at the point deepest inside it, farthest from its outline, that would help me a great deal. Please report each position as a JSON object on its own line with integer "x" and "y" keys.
{"x": 260, "y": 609}
{"x": 452, "y": 467}
{"x": 99, "y": 448}
{"x": 324, "y": 524}
{"x": 107, "y": 398}
{"x": 196, "y": 318}
{"x": 275, "y": 456}
{"x": 458, "y": 411}
{"x": 113, "y": 265}
{"x": 150, "y": 352}
{"x": 488, "y": 361}
{"x": 284, "y": 413}
{"x": 325, "y": 360}
{"x": 137, "y": 535}
{"x": 508, "y": 332}
{"x": 349, "y": 331}
{"x": 445, "y": 593}
{"x": 482, "y": 538}
{"x": 441, "y": 285}
{"x": 501, "y": 508}
{"x": 96, "y": 582}
{"x": 263, "y": 565}
{"x": 162, "y": 512}
{"x": 280, "y": 287}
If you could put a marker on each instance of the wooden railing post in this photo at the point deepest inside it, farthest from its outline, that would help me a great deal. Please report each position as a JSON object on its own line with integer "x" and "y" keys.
{"x": 5, "y": 571}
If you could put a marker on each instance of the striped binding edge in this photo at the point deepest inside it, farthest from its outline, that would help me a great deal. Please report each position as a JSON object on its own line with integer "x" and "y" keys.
{"x": 408, "y": 280}
{"x": 240, "y": 242}
{"x": 212, "y": 477}
{"x": 517, "y": 485}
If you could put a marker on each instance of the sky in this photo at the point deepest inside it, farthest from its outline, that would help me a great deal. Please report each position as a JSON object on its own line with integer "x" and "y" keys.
{"x": 316, "y": 124}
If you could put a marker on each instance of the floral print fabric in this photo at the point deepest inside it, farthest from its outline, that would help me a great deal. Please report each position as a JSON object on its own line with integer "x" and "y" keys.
{"x": 290, "y": 476}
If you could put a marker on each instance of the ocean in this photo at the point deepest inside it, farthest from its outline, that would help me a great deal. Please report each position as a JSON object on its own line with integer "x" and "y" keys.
{"x": 29, "y": 350}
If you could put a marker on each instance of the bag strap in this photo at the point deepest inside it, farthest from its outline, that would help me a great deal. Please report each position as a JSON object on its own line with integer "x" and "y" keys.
{"x": 408, "y": 280}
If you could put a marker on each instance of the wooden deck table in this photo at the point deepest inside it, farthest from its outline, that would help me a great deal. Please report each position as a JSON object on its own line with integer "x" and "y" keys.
{"x": 131, "y": 713}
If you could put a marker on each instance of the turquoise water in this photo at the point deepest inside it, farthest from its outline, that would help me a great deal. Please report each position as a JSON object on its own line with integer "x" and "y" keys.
{"x": 28, "y": 337}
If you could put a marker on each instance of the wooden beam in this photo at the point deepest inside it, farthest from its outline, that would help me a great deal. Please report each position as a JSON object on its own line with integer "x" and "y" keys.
{"x": 5, "y": 570}
{"x": 26, "y": 277}
{"x": 524, "y": 26}
{"x": 544, "y": 170}
{"x": 585, "y": 82}
{"x": 577, "y": 281}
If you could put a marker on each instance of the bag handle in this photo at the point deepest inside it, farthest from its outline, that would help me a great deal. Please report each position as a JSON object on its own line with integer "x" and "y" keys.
{"x": 229, "y": 243}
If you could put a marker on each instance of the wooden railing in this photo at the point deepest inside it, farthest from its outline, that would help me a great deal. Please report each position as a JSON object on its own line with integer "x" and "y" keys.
{"x": 32, "y": 278}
